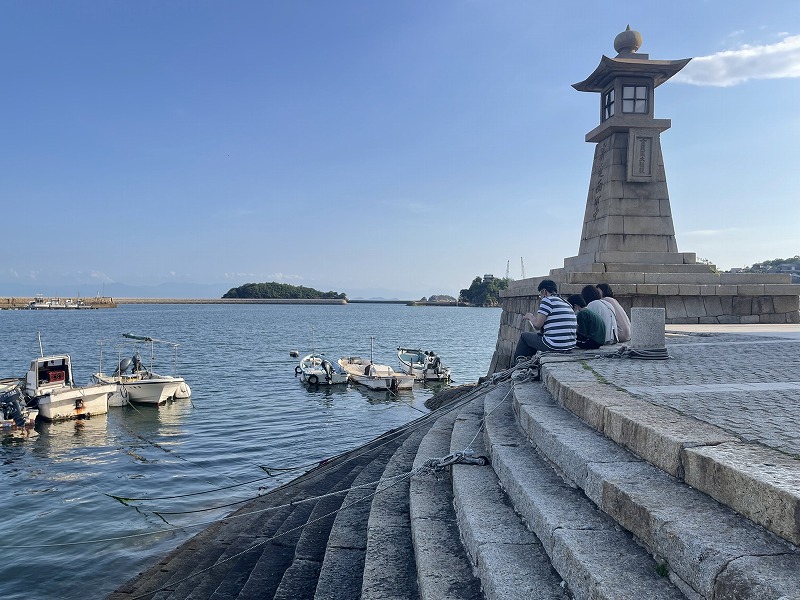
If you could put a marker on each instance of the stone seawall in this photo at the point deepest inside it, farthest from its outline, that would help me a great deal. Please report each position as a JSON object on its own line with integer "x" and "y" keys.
{"x": 684, "y": 304}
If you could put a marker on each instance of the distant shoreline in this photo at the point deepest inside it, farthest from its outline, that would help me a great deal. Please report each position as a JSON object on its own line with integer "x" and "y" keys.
{"x": 106, "y": 302}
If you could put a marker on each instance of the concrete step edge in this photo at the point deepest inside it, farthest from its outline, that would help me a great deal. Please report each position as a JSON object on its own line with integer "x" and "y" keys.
{"x": 300, "y": 578}
{"x": 190, "y": 555}
{"x": 444, "y": 571}
{"x": 704, "y": 456}
{"x": 389, "y": 566}
{"x": 347, "y": 540}
{"x": 595, "y": 558}
{"x": 676, "y": 523}
{"x": 509, "y": 559}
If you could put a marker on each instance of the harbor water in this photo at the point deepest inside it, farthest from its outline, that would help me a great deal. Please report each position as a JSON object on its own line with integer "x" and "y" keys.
{"x": 90, "y": 503}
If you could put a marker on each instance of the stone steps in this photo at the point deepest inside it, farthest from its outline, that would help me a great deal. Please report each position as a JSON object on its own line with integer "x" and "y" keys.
{"x": 510, "y": 560}
{"x": 702, "y": 455}
{"x": 259, "y": 572}
{"x": 342, "y": 568}
{"x": 708, "y": 550}
{"x": 444, "y": 571}
{"x": 389, "y": 565}
{"x": 561, "y": 513}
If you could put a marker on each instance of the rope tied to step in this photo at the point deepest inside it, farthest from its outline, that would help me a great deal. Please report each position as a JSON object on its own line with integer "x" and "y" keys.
{"x": 465, "y": 457}
{"x": 641, "y": 354}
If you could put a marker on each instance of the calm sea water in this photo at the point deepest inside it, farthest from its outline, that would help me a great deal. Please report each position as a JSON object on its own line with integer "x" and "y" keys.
{"x": 65, "y": 535}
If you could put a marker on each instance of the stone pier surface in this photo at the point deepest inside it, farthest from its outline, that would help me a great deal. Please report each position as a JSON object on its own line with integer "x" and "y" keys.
{"x": 608, "y": 477}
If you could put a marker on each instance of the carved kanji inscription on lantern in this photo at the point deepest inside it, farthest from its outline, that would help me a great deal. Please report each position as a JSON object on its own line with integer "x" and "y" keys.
{"x": 641, "y": 155}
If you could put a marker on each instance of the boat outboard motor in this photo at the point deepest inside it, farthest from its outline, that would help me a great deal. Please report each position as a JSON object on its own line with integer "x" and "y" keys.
{"x": 123, "y": 366}
{"x": 9, "y": 401}
{"x": 328, "y": 370}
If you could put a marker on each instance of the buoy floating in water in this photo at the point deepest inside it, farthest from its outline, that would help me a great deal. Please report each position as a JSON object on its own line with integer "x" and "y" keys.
{"x": 294, "y": 353}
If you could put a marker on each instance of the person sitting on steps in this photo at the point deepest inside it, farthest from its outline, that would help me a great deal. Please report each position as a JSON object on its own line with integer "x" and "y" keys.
{"x": 591, "y": 329}
{"x": 623, "y": 322}
{"x": 555, "y": 324}
{"x": 591, "y": 295}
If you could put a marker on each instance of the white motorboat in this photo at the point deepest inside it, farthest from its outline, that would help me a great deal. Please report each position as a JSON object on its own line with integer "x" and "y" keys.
{"x": 139, "y": 384}
{"x": 373, "y": 376}
{"x": 424, "y": 365}
{"x": 315, "y": 369}
{"x": 50, "y": 388}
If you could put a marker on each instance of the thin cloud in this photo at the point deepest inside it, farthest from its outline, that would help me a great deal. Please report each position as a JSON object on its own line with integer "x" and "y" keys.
{"x": 263, "y": 276}
{"x": 732, "y": 67}
{"x": 709, "y": 232}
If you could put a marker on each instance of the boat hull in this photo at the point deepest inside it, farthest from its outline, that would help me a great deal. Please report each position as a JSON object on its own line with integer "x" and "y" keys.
{"x": 151, "y": 391}
{"x": 392, "y": 383}
{"x": 74, "y": 403}
{"x": 154, "y": 390}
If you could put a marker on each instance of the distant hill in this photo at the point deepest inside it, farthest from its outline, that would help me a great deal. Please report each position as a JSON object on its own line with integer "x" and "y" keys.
{"x": 282, "y": 291}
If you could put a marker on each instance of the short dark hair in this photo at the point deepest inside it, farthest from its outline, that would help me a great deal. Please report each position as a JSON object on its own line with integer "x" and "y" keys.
{"x": 590, "y": 293}
{"x": 549, "y": 285}
{"x": 605, "y": 289}
{"x": 577, "y": 300}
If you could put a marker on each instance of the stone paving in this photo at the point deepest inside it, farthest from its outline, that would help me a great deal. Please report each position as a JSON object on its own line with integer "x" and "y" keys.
{"x": 748, "y": 385}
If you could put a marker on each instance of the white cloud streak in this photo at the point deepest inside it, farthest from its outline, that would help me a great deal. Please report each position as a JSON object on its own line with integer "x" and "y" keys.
{"x": 732, "y": 67}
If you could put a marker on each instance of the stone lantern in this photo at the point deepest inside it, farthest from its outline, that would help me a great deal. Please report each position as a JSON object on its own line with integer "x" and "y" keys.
{"x": 627, "y": 209}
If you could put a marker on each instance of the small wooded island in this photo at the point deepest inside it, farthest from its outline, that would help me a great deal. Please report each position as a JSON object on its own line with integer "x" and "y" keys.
{"x": 281, "y": 291}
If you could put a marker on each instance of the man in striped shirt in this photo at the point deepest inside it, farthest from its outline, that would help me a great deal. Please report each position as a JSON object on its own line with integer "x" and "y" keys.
{"x": 555, "y": 324}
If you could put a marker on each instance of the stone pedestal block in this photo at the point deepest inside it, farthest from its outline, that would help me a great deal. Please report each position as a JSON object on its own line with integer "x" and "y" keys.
{"x": 647, "y": 328}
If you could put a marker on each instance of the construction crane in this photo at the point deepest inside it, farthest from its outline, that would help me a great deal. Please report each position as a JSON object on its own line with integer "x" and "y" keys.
{"x": 522, "y": 267}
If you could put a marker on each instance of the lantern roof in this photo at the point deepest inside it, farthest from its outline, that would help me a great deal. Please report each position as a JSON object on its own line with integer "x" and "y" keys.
{"x": 629, "y": 63}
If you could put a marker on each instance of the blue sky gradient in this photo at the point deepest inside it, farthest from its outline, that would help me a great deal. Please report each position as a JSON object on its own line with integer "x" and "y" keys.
{"x": 392, "y": 149}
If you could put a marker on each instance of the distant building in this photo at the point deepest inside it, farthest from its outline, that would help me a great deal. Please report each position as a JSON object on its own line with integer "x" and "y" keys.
{"x": 488, "y": 277}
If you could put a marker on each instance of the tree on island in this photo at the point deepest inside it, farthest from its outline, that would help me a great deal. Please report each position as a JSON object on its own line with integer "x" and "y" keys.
{"x": 281, "y": 291}
{"x": 484, "y": 291}
{"x": 438, "y": 298}
{"x": 774, "y": 265}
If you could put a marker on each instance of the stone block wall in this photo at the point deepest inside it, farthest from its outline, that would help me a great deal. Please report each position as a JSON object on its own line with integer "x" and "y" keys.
{"x": 697, "y": 304}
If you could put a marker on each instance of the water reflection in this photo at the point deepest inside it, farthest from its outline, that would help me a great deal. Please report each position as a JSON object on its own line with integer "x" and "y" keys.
{"x": 247, "y": 411}
{"x": 57, "y": 440}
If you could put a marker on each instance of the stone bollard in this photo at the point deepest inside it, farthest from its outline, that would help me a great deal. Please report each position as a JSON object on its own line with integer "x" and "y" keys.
{"x": 647, "y": 328}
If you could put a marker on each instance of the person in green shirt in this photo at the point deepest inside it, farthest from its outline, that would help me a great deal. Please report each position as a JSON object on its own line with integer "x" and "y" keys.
{"x": 591, "y": 329}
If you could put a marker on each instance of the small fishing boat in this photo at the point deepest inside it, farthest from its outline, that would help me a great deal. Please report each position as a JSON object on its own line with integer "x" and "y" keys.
{"x": 375, "y": 377}
{"x": 315, "y": 369}
{"x": 424, "y": 365}
{"x": 139, "y": 384}
{"x": 50, "y": 388}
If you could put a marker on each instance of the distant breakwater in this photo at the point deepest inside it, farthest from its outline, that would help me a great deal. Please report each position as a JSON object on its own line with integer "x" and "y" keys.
{"x": 106, "y": 302}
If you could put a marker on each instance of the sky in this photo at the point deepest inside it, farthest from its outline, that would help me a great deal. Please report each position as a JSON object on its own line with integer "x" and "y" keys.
{"x": 393, "y": 149}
